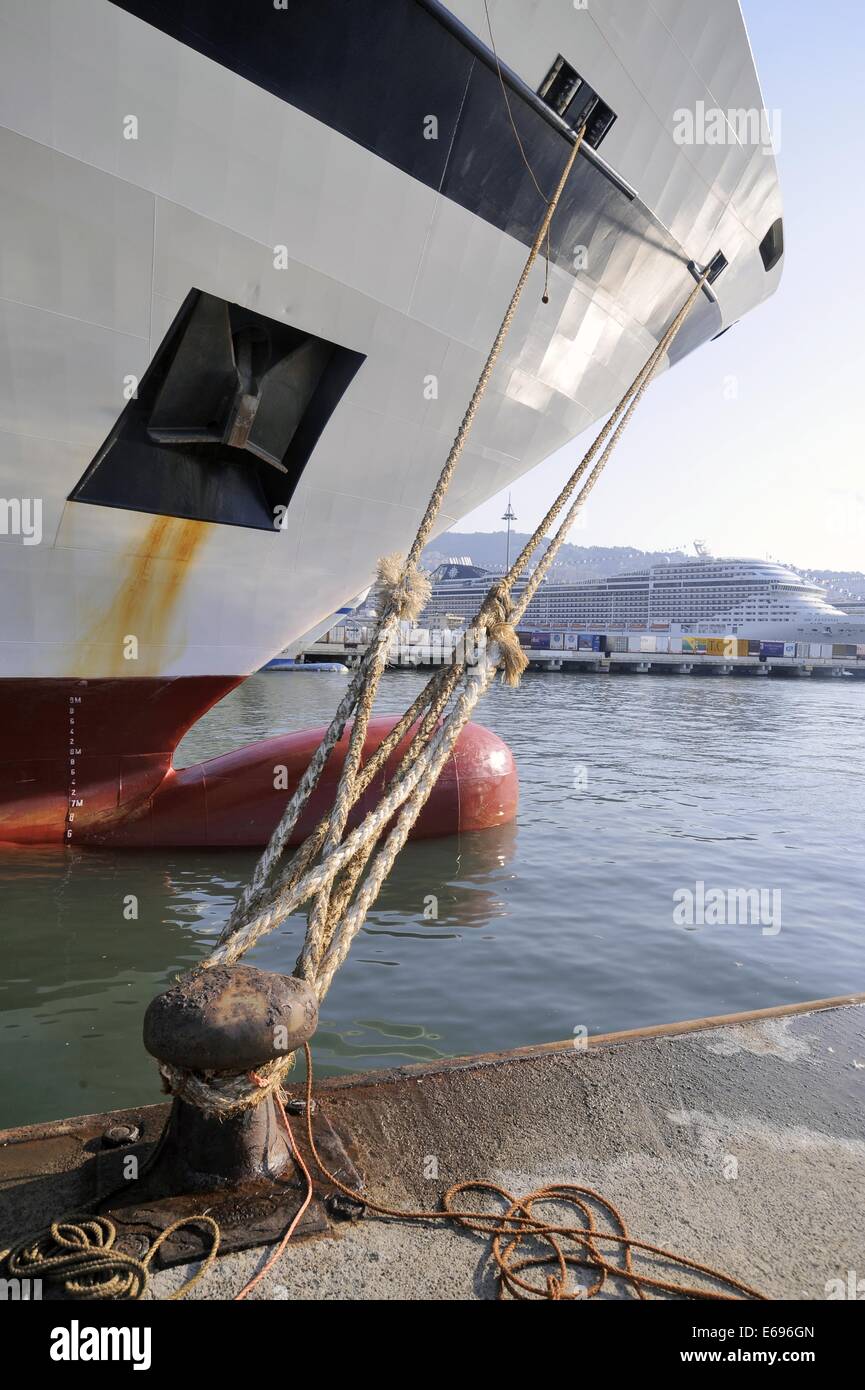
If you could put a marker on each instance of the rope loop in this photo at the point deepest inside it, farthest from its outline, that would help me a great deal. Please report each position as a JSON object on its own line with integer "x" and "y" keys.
{"x": 220, "y": 1095}
{"x": 536, "y": 1255}
{"x": 79, "y": 1256}
{"x": 497, "y": 611}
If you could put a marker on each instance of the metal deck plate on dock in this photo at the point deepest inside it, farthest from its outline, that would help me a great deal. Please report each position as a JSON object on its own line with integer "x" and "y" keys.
{"x": 47, "y": 1171}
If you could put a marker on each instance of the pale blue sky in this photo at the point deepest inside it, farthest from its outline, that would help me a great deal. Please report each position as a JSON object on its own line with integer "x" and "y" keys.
{"x": 780, "y": 470}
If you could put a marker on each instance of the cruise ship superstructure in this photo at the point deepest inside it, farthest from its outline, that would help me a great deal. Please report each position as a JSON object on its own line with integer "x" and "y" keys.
{"x": 707, "y": 595}
{"x": 253, "y": 259}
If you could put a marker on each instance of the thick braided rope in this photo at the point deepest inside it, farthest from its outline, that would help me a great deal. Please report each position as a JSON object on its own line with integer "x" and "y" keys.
{"x": 324, "y": 952}
{"x": 225, "y": 1094}
{"x": 222, "y": 1095}
{"x": 320, "y": 916}
{"x": 435, "y": 755}
{"x": 430, "y": 763}
{"x": 445, "y": 679}
{"x": 375, "y": 656}
{"x": 298, "y": 889}
{"x": 332, "y": 882}
{"x": 272, "y": 854}
{"x": 346, "y": 793}
{"x": 317, "y": 942}
{"x": 79, "y": 1256}
{"x": 361, "y": 691}
{"x": 245, "y": 936}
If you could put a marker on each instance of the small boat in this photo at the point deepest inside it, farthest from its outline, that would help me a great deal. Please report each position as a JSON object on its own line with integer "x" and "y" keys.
{"x": 288, "y": 663}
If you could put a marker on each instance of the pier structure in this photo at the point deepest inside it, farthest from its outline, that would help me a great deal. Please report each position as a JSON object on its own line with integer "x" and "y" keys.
{"x": 437, "y": 649}
{"x": 705, "y": 1135}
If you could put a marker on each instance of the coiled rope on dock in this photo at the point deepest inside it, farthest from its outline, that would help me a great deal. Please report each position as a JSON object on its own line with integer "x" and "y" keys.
{"x": 78, "y": 1255}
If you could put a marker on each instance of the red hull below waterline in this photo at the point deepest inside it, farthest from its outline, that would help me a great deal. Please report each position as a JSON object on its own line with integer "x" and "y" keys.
{"x": 238, "y": 799}
{"x": 101, "y": 772}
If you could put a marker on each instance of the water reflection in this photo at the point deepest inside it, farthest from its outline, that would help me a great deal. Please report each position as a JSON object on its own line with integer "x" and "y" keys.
{"x": 496, "y": 940}
{"x": 93, "y": 935}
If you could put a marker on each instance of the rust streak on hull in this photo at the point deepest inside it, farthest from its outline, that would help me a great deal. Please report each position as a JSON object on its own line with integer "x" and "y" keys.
{"x": 145, "y": 605}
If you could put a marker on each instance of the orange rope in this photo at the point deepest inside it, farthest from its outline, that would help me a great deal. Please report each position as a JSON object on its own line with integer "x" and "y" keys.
{"x": 277, "y": 1254}
{"x": 516, "y": 1226}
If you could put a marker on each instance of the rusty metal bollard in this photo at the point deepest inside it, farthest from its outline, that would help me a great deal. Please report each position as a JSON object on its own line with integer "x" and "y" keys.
{"x": 228, "y": 1020}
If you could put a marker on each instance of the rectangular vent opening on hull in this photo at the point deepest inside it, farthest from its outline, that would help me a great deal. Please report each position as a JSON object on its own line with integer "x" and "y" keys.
{"x": 571, "y": 97}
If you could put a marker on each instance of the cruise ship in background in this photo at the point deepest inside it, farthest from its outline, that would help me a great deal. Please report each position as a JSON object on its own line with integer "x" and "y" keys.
{"x": 713, "y": 597}
{"x": 240, "y": 244}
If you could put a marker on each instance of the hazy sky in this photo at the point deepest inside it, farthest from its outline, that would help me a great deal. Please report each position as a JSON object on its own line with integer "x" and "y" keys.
{"x": 779, "y": 471}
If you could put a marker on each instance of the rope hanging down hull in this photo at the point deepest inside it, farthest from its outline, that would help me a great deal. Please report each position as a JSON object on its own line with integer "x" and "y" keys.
{"x": 339, "y": 870}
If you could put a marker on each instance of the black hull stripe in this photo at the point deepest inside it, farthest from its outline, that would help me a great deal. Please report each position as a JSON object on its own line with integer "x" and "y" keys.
{"x": 523, "y": 91}
{"x": 374, "y": 70}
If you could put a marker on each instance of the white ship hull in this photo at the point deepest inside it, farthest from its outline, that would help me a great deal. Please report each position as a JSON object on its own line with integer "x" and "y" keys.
{"x": 204, "y": 153}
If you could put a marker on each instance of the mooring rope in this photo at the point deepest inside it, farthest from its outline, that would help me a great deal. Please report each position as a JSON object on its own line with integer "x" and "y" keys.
{"x": 328, "y": 867}
{"x": 264, "y": 903}
{"x": 78, "y": 1255}
{"x": 403, "y": 593}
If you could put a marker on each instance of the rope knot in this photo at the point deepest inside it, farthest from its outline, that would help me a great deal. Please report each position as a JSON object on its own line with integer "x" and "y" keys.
{"x": 500, "y": 593}
{"x": 401, "y": 587}
{"x": 499, "y": 608}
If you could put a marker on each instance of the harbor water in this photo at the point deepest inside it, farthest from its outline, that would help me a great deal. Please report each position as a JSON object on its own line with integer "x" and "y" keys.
{"x": 587, "y": 915}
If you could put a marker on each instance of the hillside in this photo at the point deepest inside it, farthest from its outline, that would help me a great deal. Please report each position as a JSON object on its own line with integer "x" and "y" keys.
{"x": 487, "y": 548}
